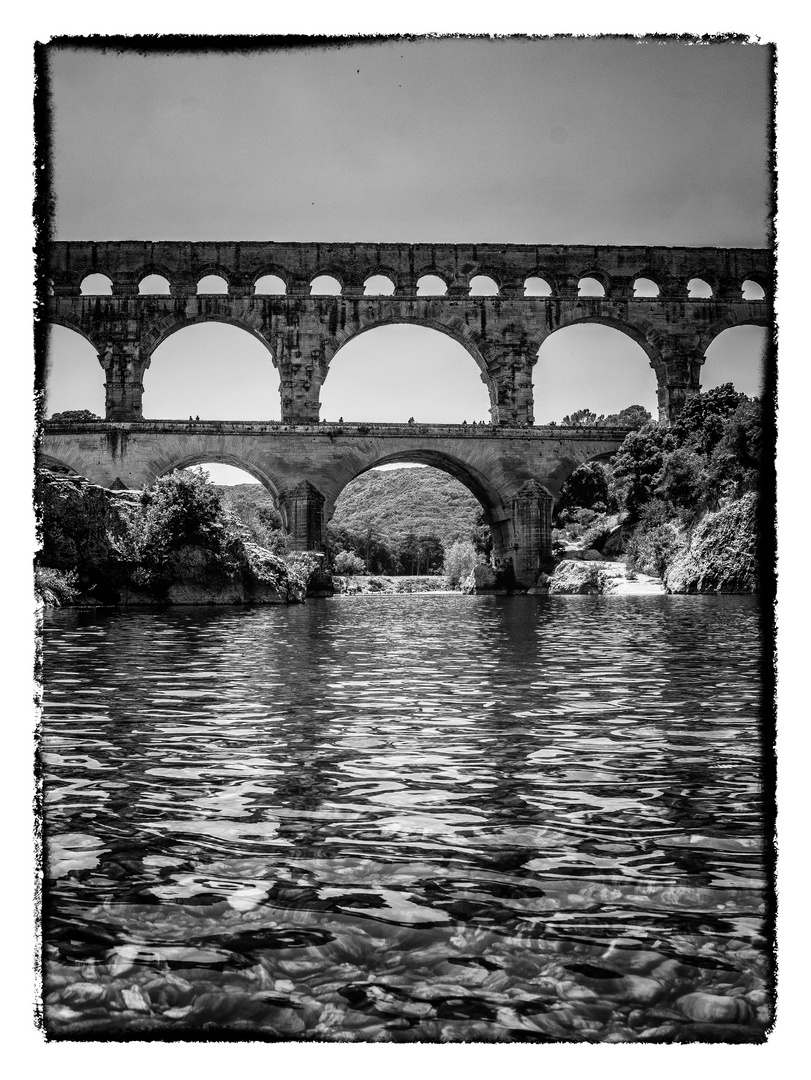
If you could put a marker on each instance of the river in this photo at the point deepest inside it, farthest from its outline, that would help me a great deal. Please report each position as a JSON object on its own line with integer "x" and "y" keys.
{"x": 403, "y": 818}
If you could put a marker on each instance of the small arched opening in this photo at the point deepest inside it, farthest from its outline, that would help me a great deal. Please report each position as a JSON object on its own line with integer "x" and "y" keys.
{"x": 537, "y": 286}
{"x": 737, "y": 355}
{"x": 212, "y": 370}
{"x": 212, "y": 285}
{"x": 482, "y": 285}
{"x": 397, "y": 372}
{"x": 270, "y": 285}
{"x": 325, "y": 285}
{"x": 698, "y": 289}
{"x": 96, "y": 285}
{"x": 431, "y": 285}
{"x": 74, "y": 378}
{"x": 154, "y": 285}
{"x": 751, "y": 290}
{"x": 378, "y": 285}
{"x": 590, "y": 286}
{"x": 645, "y": 289}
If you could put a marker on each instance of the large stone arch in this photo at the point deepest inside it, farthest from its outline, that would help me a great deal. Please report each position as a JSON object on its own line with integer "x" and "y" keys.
{"x": 183, "y": 454}
{"x": 643, "y": 333}
{"x": 252, "y": 321}
{"x": 728, "y": 321}
{"x": 58, "y": 319}
{"x": 494, "y": 502}
{"x": 455, "y": 328}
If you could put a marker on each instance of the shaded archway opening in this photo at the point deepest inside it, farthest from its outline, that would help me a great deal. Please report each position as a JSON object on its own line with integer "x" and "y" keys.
{"x": 404, "y": 521}
{"x": 698, "y": 289}
{"x": 737, "y": 355}
{"x": 595, "y": 368}
{"x": 585, "y": 513}
{"x": 537, "y": 286}
{"x": 644, "y": 288}
{"x": 96, "y": 285}
{"x": 750, "y": 290}
{"x": 482, "y": 285}
{"x": 211, "y": 371}
{"x": 74, "y": 378}
{"x": 431, "y": 285}
{"x": 325, "y": 285}
{"x": 154, "y": 285}
{"x": 378, "y": 285}
{"x": 250, "y": 496}
{"x": 590, "y": 286}
{"x": 212, "y": 285}
{"x": 397, "y": 372}
{"x": 270, "y": 285}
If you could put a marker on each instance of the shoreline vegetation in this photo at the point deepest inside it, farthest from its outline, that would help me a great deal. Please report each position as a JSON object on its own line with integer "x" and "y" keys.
{"x": 676, "y": 511}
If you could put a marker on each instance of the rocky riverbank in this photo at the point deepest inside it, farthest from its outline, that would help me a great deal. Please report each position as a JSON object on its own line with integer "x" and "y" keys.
{"x": 89, "y": 533}
{"x": 355, "y": 584}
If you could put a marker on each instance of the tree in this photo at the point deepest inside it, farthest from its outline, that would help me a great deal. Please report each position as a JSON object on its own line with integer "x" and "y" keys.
{"x": 482, "y": 537}
{"x": 701, "y": 422}
{"x": 734, "y": 466}
{"x": 460, "y": 559}
{"x": 682, "y": 481}
{"x": 633, "y": 417}
{"x": 182, "y": 508}
{"x": 580, "y": 418}
{"x": 347, "y": 562}
{"x": 76, "y": 416}
{"x": 587, "y": 488}
{"x": 637, "y": 465}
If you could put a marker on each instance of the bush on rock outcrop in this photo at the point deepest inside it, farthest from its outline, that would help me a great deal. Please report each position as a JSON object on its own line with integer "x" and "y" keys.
{"x": 173, "y": 543}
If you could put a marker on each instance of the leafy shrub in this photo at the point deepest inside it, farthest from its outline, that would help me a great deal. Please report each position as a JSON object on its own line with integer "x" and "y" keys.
{"x": 596, "y": 536}
{"x": 76, "y": 416}
{"x": 637, "y": 465}
{"x": 652, "y": 548}
{"x": 303, "y": 565}
{"x": 347, "y": 562}
{"x": 180, "y": 508}
{"x": 460, "y": 559}
{"x": 54, "y": 588}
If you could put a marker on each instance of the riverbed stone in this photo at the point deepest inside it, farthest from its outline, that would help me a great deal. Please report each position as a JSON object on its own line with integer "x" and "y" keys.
{"x": 715, "y": 1008}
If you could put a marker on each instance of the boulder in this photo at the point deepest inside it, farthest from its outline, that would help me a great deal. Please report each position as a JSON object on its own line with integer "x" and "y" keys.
{"x": 575, "y": 577}
{"x": 483, "y": 579}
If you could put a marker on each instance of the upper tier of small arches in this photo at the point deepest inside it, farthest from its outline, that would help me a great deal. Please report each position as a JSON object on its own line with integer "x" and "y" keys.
{"x": 430, "y": 281}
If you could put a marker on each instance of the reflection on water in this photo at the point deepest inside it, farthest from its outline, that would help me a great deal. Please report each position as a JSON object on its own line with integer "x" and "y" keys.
{"x": 400, "y": 818}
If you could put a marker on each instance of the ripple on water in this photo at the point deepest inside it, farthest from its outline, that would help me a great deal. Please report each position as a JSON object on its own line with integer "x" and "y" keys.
{"x": 437, "y": 818}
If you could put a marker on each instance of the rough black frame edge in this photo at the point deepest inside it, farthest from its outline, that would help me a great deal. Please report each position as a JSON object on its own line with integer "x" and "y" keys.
{"x": 43, "y": 214}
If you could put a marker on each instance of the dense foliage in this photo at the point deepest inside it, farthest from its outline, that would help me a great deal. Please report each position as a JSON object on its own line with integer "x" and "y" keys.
{"x": 666, "y": 481}
{"x": 634, "y": 416}
{"x": 460, "y": 559}
{"x": 175, "y": 535}
{"x": 76, "y": 416}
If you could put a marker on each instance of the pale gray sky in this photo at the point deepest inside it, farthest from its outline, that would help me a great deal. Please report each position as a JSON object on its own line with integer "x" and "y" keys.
{"x": 598, "y": 141}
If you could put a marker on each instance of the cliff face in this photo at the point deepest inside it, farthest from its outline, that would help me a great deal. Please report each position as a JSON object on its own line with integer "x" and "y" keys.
{"x": 85, "y": 528}
{"x": 722, "y": 555}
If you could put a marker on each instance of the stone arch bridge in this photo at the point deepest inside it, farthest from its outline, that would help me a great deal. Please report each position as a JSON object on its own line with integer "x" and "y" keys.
{"x": 514, "y": 469}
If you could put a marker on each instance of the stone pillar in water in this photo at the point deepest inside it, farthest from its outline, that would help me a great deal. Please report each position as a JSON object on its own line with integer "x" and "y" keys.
{"x": 532, "y": 531}
{"x": 304, "y": 505}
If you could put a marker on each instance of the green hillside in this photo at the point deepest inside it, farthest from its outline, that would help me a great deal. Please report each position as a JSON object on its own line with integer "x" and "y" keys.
{"x": 397, "y": 521}
{"x": 399, "y": 502}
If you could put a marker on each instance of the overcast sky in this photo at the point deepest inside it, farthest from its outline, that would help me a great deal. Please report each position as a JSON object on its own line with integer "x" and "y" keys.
{"x": 456, "y": 140}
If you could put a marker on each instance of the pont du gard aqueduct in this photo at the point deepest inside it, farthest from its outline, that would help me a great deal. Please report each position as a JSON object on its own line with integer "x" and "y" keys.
{"x": 515, "y": 469}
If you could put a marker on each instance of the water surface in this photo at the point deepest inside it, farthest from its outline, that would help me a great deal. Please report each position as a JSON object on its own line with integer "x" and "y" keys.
{"x": 406, "y": 817}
